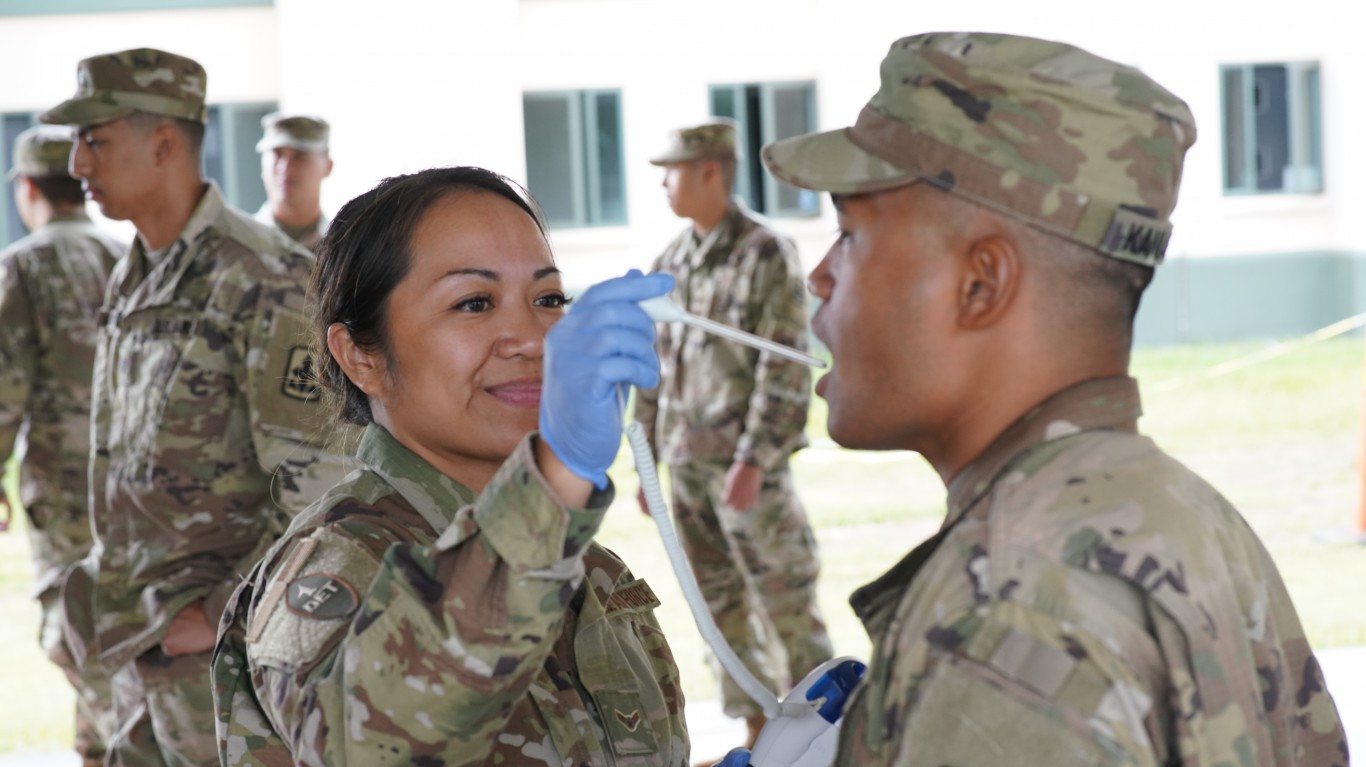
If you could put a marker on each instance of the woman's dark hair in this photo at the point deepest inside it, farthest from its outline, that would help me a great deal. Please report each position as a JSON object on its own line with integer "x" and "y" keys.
{"x": 365, "y": 255}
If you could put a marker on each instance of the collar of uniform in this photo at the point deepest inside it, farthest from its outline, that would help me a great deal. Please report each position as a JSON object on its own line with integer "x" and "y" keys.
{"x": 730, "y": 222}
{"x": 434, "y": 495}
{"x": 76, "y": 215}
{"x": 208, "y": 211}
{"x": 873, "y": 603}
{"x": 1110, "y": 404}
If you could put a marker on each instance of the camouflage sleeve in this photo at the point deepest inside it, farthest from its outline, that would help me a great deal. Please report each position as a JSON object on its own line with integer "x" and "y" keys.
{"x": 647, "y": 401}
{"x": 287, "y": 420}
{"x": 775, "y": 422}
{"x": 646, "y": 412}
{"x": 444, "y": 640}
{"x": 18, "y": 353}
{"x": 290, "y": 428}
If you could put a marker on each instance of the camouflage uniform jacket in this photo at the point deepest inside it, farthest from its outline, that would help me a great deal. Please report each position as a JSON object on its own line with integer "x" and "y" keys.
{"x": 310, "y": 239}
{"x": 207, "y": 425}
{"x": 718, "y": 399}
{"x": 51, "y": 287}
{"x": 1088, "y": 600}
{"x": 464, "y": 631}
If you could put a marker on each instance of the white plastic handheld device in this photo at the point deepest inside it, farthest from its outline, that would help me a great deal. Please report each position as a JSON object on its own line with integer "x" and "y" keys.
{"x": 806, "y": 731}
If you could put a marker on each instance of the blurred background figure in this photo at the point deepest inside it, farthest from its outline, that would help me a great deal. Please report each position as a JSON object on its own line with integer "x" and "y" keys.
{"x": 294, "y": 162}
{"x": 726, "y": 418}
{"x": 51, "y": 287}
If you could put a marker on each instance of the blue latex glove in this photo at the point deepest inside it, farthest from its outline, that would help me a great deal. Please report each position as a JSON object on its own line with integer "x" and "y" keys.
{"x": 605, "y": 341}
{"x": 736, "y": 757}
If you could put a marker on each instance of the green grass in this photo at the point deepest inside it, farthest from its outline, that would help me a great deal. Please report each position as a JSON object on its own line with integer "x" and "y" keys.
{"x": 1282, "y": 440}
{"x": 37, "y": 706}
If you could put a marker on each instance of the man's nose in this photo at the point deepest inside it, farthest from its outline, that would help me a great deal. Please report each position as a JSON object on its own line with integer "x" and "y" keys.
{"x": 78, "y": 162}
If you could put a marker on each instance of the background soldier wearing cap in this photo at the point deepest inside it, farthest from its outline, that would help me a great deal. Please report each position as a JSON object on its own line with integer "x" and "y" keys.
{"x": 51, "y": 287}
{"x": 294, "y": 162}
{"x": 1002, "y": 203}
{"x": 726, "y": 419}
{"x": 205, "y": 410}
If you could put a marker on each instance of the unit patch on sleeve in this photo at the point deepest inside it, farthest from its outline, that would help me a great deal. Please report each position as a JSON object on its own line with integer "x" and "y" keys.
{"x": 301, "y": 377}
{"x": 321, "y": 596}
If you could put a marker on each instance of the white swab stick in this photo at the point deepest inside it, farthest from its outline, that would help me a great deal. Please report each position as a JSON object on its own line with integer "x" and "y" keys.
{"x": 662, "y": 309}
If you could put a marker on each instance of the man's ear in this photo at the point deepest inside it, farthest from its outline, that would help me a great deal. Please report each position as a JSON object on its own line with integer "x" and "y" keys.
{"x": 364, "y": 368}
{"x": 711, "y": 171}
{"x": 990, "y": 281}
{"x": 165, "y": 139}
{"x": 30, "y": 190}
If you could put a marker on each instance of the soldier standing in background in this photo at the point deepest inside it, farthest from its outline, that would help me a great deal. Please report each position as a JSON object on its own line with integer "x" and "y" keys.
{"x": 206, "y": 424}
{"x": 726, "y": 418}
{"x": 51, "y": 286}
{"x": 1003, "y": 202}
{"x": 294, "y": 162}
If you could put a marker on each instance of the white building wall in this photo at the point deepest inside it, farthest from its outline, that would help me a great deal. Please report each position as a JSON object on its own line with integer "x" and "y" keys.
{"x": 239, "y": 48}
{"x": 414, "y": 83}
{"x": 406, "y": 84}
{"x": 678, "y": 49}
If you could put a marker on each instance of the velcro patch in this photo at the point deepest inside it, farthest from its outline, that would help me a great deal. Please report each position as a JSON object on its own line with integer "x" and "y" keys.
{"x": 1137, "y": 238}
{"x": 624, "y": 719}
{"x": 322, "y": 596}
{"x": 633, "y": 596}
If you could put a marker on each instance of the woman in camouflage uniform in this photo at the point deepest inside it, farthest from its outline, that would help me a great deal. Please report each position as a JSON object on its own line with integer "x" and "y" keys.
{"x": 445, "y": 604}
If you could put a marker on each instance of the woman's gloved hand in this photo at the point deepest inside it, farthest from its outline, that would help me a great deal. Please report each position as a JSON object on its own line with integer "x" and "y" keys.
{"x": 605, "y": 341}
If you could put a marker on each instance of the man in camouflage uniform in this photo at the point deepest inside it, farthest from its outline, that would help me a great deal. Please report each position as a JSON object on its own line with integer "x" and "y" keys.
{"x": 51, "y": 287}
{"x": 294, "y": 162}
{"x": 205, "y": 424}
{"x": 726, "y": 419}
{"x": 1089, "y": 600}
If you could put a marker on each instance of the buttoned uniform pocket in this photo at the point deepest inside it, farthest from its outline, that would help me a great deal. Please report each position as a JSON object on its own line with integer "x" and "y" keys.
{"x": 625, "y": 666}
{"x": 970, "y": 713}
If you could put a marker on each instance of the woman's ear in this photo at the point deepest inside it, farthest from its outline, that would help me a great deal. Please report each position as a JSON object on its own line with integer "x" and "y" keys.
{"x": 990, "y": 281}
{"x": 364, "y": 368}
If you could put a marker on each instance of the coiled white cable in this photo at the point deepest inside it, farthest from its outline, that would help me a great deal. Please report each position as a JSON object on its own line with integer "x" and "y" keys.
{"x": 659, "y": 512}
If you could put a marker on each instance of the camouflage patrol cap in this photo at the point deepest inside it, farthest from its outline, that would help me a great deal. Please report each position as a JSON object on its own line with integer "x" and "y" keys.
{"x": 1073, "y": 144}
{"x": 712, "y": 140}
{"x": 302, "y": 132}
{"x": 115, "y": 85}
{"x": 42, "y": 152}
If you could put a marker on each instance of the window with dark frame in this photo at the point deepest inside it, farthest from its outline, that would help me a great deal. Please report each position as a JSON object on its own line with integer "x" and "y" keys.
{"x": 768, "y": 112}
{"x": 1272, "y": 128}
{"x": 575, "y": 160}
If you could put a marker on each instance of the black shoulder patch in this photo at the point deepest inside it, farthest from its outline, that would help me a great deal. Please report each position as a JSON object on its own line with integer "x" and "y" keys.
{"x": 321, "y": 596}
{"x": 301, "y": 376}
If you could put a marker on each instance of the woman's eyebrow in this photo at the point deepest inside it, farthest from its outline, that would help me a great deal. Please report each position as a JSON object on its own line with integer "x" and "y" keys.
{"x": 493, "y": 276}
{"x": 487, "y": 274}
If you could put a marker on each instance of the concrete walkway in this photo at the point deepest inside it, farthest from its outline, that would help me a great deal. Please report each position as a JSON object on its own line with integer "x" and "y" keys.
{"x": 713, "y": 733}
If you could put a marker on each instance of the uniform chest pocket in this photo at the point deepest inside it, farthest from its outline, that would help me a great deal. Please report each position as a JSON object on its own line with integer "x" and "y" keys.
{"x": 150, "y": 346}
{"x": 626, "y": 667}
